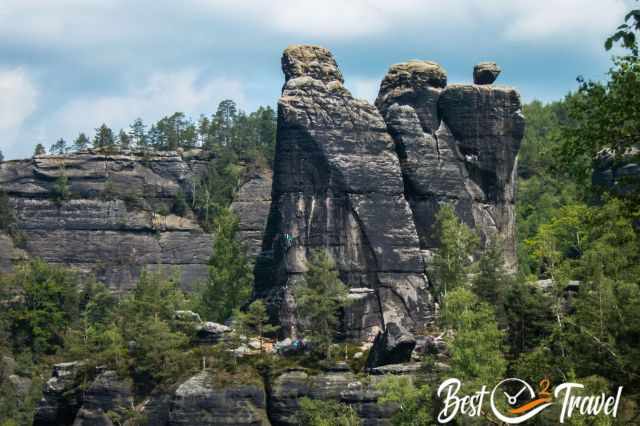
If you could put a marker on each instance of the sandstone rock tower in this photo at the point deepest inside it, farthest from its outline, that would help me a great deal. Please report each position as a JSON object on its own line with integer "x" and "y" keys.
{"x": 456, "y": 144}
{"x": 365, "y": 184}
{"x": 338, "y": 185}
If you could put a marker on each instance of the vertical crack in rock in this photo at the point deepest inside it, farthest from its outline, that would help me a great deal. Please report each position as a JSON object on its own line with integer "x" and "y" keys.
{"x": 458, "y": 144}
{"x": 334, "y": 153}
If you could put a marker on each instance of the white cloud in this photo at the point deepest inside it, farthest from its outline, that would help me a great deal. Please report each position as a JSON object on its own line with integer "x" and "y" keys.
{"x": 540, "y": 20}
{"x": 18, "y": 98}
{"x": 159, "y": 95}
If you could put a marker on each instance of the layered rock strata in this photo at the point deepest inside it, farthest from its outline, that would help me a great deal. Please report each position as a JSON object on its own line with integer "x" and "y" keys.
{"x": 118, "y": 215}
{"x": 457, "y": 144}
{"x": 338, "y": 186}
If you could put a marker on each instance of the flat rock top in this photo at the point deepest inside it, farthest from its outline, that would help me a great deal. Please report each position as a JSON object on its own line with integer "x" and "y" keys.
{"x": 312, "y": 61}
{"x": 417, "y": 73}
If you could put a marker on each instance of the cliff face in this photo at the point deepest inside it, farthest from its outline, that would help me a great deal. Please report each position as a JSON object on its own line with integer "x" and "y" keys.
{"x": 338, "y": 185}
{"x": 118, "y": 216}
{"x": 365, "y": 183}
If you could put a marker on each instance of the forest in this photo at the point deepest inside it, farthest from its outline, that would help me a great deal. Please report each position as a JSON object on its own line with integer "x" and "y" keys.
{"x": 571, "y": 311}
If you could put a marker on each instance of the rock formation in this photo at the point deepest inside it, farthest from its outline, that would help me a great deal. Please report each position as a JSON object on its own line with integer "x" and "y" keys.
{"x": 365, "y": 184}
{"x": 486, "y": 73}
{"x": 251, "y": 204}
{"x": 119, "y": 216}
{"x": 107, "y": 396}
{"x": 207, "y": 398}
{"x": 202, "y": 401}
{"x": 456, "y": 144}
{"x": 338, "y": 185}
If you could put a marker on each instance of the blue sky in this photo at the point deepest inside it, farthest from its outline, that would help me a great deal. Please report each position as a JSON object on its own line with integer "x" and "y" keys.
{"x": 69, "y": 65}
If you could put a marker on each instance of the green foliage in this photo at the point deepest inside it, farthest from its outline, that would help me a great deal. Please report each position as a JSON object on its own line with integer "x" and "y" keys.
{"x": 254, "y": 321}
{"x": 60, "y": 147}
{"x": 325, "y": 413}
{"x": 104, "y": 138}
{"x": 456, "y": 245}
{"x": 137, "y": 134}
{"x": 39, "y": 150}
{"x": 319, "y": 299}
{"x": 230, "y": 276}
{"x": 214, "y": 191}
{"x": 61, "y": 191}
{"x": 605, "y": 117}
{"x": 626, "y": 33}
{"x": 476, "y": 345}
{"x": 81, "y": 143}
{"x": 124, "y": 141}
{"x": 180, "y": 206}
{"x": 47, "y": 303}
{"x": 414, "y": 404}
{"x": 543, "y": 184}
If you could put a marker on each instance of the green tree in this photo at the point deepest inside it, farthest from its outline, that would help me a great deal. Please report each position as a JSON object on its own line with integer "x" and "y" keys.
{"x": 123, "y": 140}
{"x": 326, "y": 413}
{"x": 159, "y": 355}
{"x": 476, "y": 342}
{"x": 39, "y": 150}
{"x": 456, "y": 245}
{"x": 180, "y": 205}
{"x": 60, "y": 147}
{"x": 61, "y": 191}
{"x": 1, "y": 156}
{"x": 137, "y": 134}
{"x": 230, "y": 276}
{"x": 414, "y": 404}
{"x": 319, "y": 299}
{"x": 255, "y": 321}
{"x": 492, "y": 280}
{"x": 104, "y": 138}
{"x": 81, "y": 143}
{"x": 49, "y": 304}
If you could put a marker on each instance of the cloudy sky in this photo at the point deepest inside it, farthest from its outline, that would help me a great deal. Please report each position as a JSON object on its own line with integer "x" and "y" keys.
{"x": 69, "y": 65}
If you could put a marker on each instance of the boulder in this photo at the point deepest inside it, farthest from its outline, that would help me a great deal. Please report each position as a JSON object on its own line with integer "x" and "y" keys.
{"x": 211, "y": 332}
{"x": 337, "y": 185}
{"x": 486, "y": 73}
{"x": 393, "y": 346}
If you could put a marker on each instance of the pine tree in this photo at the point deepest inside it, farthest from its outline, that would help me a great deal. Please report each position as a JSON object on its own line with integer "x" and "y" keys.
{"x": 255, "y": 321}
{"x": 319, "y": 299}
{"x": 492, "y": 279}
{"x": 81, "y": 143}
{"x": 39, "y": 150}
{"x": 60, "y": 147}
{"x": 476, "y": 342}
{"x": 137, "y": 134}
{"x": 1, "y": 156}
{"x": 203, "y": 130}
{"x": 104, "y": 138}
{"x": 123, "y": 140}
{"x": 456, "y": 245}
{"x": 230, "y": 275}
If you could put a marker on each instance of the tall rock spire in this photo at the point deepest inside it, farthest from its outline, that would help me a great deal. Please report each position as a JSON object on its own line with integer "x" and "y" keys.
{"x": 338, "y": 186}
{"x": 457, "y": 144}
